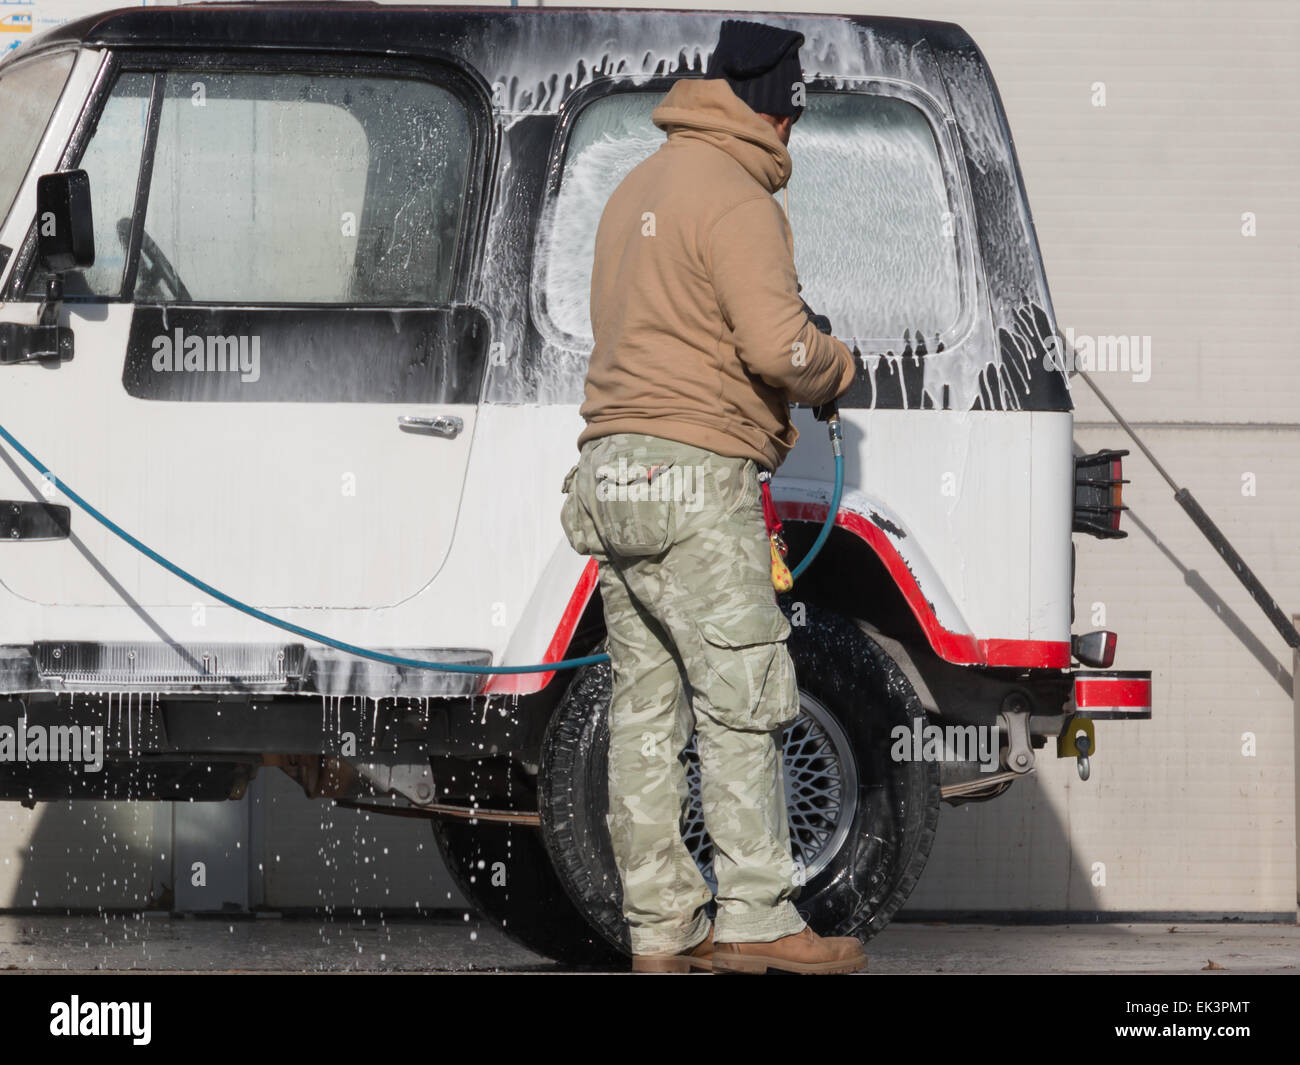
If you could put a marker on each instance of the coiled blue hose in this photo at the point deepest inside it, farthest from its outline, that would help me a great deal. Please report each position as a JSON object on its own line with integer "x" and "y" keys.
{"x": 362, "y": 652}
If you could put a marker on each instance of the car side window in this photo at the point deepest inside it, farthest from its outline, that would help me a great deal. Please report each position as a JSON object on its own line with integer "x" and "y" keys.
{"x": 874, "y": 235}
{"x": 112, "y": 161}
{"x": 29, "y": 92}
{"x": 284, "y": 188}
{"x": 612, "y": 135}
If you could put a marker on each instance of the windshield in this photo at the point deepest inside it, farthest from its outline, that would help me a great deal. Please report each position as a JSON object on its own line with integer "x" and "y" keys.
{"x": 28, "y": 92}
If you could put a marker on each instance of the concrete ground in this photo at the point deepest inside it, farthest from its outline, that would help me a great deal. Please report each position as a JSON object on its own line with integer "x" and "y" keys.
{"x": 460, "y": 943}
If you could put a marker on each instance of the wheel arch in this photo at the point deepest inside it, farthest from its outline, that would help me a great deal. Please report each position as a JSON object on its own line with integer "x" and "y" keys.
{"x": 873, "y": 562}
{"x": 872, "y": 569}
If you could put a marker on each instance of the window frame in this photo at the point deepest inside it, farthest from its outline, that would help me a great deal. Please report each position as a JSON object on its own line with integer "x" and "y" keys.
{"x": 463, "y": 84}
{"x": 947, "y": 146}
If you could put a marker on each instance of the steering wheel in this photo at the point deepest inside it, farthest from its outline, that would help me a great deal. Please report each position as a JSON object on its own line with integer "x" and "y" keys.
{"x": 156, "y": 272}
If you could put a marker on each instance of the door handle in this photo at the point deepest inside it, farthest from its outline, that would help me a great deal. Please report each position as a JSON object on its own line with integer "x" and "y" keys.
{"x": 439, "y": 424}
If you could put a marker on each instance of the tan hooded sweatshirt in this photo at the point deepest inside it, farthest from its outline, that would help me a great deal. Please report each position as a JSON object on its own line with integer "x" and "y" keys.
{"x": 700, "y": 334}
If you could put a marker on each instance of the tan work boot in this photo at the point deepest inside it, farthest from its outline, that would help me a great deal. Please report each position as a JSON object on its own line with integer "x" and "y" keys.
{"x": 803, "y": 952}
{"x": 698, "y": 957}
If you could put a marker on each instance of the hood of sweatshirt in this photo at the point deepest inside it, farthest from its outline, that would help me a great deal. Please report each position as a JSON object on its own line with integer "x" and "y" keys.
{"x": 706, "y": 109}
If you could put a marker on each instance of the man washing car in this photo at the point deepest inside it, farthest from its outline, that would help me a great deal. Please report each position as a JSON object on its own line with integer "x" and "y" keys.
{"x": 701, "y": 343}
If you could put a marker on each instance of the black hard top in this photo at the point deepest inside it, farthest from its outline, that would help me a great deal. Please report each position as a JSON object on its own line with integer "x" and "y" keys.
{"x": 416, "y": 30}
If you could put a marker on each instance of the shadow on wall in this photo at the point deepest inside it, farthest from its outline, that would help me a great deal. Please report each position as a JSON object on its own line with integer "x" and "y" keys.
{"x": 1007, "y": 860}
{"x": 1232, "y": 621}
{"x": 273, "y": 850}
{"x": 85, "y": 856}
{"x": 1014, "y": 861}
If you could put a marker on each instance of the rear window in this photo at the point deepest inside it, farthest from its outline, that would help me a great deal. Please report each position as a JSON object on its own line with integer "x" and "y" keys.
{"x": 28, "y": 92}
{"x": 875, "y": 243}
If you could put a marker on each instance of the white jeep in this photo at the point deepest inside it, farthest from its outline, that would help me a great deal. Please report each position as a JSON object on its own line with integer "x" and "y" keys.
{"x": 328, "y": 358}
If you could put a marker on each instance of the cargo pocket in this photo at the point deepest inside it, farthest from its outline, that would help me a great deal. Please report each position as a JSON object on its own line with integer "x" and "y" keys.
{"x": 743, "y": 490}
{"x": 634, "y": 509}
{"x": 745, "y": 678}
{"x": 574, "y": 519}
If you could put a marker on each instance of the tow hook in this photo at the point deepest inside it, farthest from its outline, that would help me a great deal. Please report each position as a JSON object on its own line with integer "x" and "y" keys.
{"x": 1077, "y": 740}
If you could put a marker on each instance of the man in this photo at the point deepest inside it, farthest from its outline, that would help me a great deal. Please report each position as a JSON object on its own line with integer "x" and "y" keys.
{"x": 701, "y": 343}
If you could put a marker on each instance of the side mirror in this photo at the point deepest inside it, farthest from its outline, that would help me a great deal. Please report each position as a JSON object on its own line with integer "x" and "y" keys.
{"x": 65, "y": 240}
{"x": 65, "y": 230}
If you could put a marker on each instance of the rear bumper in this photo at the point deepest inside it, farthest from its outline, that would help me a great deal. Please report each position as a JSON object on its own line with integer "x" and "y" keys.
{"x": 1113, "y": 694}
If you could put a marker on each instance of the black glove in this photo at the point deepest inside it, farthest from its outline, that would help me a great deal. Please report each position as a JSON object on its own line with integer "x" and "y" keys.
{"x": 824, "y": 412}
{"x": 819, "y": 320}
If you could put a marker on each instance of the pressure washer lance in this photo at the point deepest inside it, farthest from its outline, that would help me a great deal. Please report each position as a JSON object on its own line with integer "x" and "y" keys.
{"x": 1184, "y": 498}
{"x": 363, "y": 652}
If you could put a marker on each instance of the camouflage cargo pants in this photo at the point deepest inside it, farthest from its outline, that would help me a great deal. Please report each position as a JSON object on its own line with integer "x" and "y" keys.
{"x": 689, "y": 607}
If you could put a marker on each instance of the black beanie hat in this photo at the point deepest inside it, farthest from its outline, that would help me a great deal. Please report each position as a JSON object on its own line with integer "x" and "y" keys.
{"x": 760, "y": 63}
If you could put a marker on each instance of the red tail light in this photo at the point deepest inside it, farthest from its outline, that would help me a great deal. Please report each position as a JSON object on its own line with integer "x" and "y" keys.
{"x": 1099, "y": 494}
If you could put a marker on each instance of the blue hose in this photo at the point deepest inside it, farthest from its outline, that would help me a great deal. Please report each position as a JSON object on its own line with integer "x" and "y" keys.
{"x": 362, "y": 652}
{"x": 837, "y": 447}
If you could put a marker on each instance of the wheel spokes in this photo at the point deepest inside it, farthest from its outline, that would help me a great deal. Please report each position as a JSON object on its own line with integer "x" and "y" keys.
{"x": 821, "y": 790}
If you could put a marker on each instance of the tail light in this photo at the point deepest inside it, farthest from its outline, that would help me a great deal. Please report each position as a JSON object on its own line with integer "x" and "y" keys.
{"x": 1095, "y": 648}
{"x": 1098, "y": 494}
